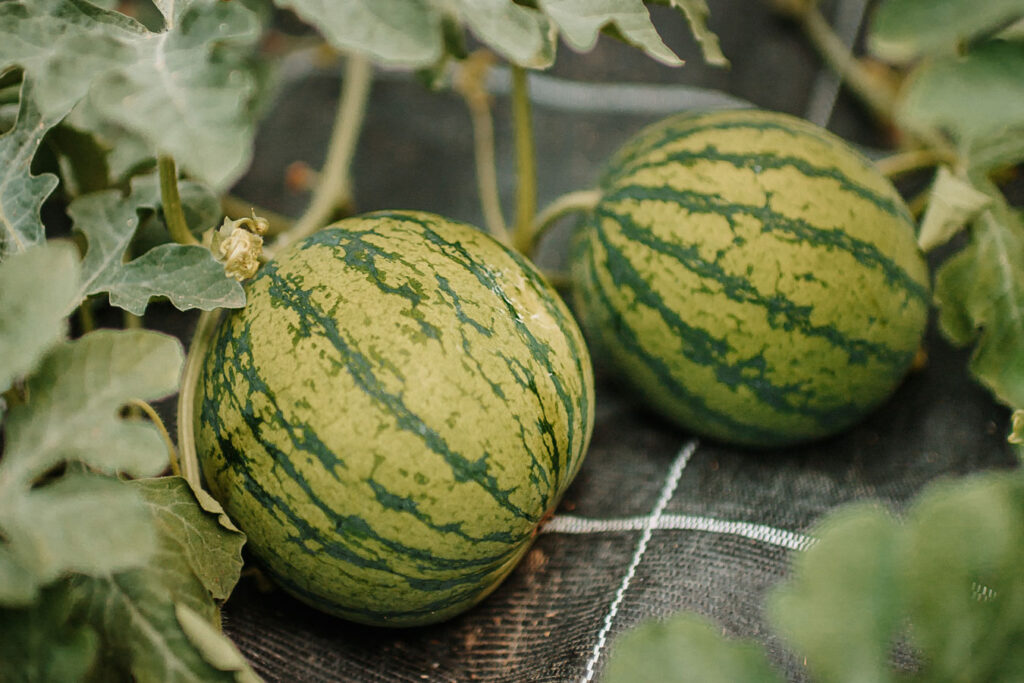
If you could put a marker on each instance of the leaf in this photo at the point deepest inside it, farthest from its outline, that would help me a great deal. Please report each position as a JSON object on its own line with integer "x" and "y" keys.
{"x": 904, "y": 29}
{"x": 188, "y": 275}
{"x": 952, "y": 203}
{"x": 213, "y": 551}
{"x": 137, "y": 612}
{"x": 79, "y": 523}
{"x": 403, "y": 33}
{"x": 186, "y": 90}
{"x": 685, "y": 649}
{"x": 44, "y": 642}
{"x": 963, "y": 583}
{"x": 980, "y": 292}
{"x": 580, "y": 22}
{"x": 74, "y": 399}
{"x": 22, "y": 194}
{"x": 521, "y": 35}
{"x": 36, "y": 288}
{"x": 978, "y": 99}
{"x": 841, "y": 608}
{"x": 696, "y": 13}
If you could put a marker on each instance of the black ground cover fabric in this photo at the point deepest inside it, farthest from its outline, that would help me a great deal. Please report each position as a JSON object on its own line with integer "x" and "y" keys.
{"x": 657, "y": 521}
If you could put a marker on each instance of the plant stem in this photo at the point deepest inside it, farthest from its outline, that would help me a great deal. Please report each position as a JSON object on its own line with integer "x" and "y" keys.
{"x": 878, "y": 98}
{"x": 171, "y": 200}
{"x": 526, "y": 166}
{"x": 573, "y": 202}
{"x": 470, "y": 84}
{"x": 154, "y": 417}
{"x": 189, "y": 461}
{"x": 334, "y": 189}
{"x": 236, "y": 207}
{"x": 910, "y": 160}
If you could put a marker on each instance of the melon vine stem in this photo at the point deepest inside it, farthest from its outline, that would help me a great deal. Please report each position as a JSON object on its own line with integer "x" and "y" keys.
{"x": 526, "y": 163}
{"x": 201, "y": 338}
{"x": 154, "y": 417}
{"x": 470, "y": 82}
{"x": 572, "y": 202}
{"x": 174, "y": 215}
{"x": 333, "y": 191}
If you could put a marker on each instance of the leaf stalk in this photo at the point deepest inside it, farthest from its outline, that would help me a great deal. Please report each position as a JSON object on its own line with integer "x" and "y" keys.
{"x": 170, "y": 198}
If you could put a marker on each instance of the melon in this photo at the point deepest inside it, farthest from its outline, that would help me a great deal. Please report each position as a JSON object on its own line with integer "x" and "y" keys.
{"x": 751, "y": 276}
{"x": 398, "y": 407}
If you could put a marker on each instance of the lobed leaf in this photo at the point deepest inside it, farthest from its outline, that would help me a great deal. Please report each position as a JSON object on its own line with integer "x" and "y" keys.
{"x": 977, "y": 98}
{"x": 187, "y": 275}
{"x": 696, "y": 13}
{"x": 685, "y": 649}
{"x": 21, "y": 193}
{"x": 580, "y": 22}
{"x": 953, "y": 202}
{"x": 36, "y": 288}
{"x": 904, "y": 29}
{"x": 186, "y": 90}
{"x": 980, "y": 292}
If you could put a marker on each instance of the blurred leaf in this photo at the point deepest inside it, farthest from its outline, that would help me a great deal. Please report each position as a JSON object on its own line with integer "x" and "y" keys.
{"x": 213, "y": 551}
{"x": 79, "y": 523}
{"x": 696, "y": 13}
{"x": 904, "y": 29}
{"x": 187, "y": 90}
{"x": 83, "y": 160}
{"x": 137, "y": 612}
{"x": 22, "y": 194}
{"x": 685, "y": 649}
{"x": 187, "y": 275}
{"x": 963, "y": 582}
{"x": 74, "y": 399}
{"x": 36, "y": 288}
{"x": 980, "y": 292}
{"x": 841, "y": 608}
{"x": 978, "y": 99}
{"x": 953, "y": 202}
{"x": 44, "y": 642}
{"x": 414, "y": 33}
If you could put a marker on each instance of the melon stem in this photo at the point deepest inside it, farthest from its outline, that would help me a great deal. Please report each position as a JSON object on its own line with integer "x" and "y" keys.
{"x": 170, "y": 199}
{"x": 580, "y": 201}
{"x": 526, "y": 164}
{"x": 201, "y": 339}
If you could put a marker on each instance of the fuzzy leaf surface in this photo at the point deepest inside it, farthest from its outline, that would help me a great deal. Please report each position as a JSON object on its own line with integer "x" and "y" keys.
{"x": 904, "y": 29}
{"x": 980, "y": 292}
{"x": 21, "y": 193}
{"x": 188, "y": 275}
{"x": 186, "y": 89}
{"x": 953, "y": 202}
{"x": 685, "y": 649}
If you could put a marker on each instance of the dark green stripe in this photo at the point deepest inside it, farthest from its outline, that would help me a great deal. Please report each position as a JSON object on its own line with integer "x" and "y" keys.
{"x": 795, "y": 229}
{"x": 702, "y": 348}
{"x": 767, "y": 160}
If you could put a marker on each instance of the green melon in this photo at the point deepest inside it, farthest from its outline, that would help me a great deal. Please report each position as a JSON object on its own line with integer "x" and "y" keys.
{"x": 396, "y": 409}
{"x": 751, "y": 276}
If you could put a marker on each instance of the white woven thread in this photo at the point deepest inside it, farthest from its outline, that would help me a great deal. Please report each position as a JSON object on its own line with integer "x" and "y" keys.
{"x": 571, "y": 524}
{"x": 648, "y": 526}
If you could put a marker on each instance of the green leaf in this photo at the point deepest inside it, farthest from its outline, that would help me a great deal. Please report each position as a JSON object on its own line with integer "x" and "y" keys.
{"x": 953, "y": 202}
{"x": 964, "y": 587}
{"x": 685, "y": 649}
{"x": 36, "y": 289}
{"x": 138, "y": 612}
{"x": 904, "y": 29}
{"x": 581, "y": 21}
{"x": 44, "y": 642}
{"x": 213, "y": 551}
{"x": 521, "y": 35}
{"x": 22, "y": 194}
{"x": 405, "y": 33}
{"x": 696, "y": 13}
{"x": 978, "y": 99}
{"x": 79, "y": 523}
{"x": 980, "y": 292}
{"x": 74, "y": 399}
{"x": 841, "y": 608}
{"x": 186, "y": 90}
{"x": 188, "y": 275}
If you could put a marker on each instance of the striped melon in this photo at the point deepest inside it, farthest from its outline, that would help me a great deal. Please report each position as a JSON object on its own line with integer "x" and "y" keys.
{"x": 396, "y": 409}
{"x": 753, "y": 277}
